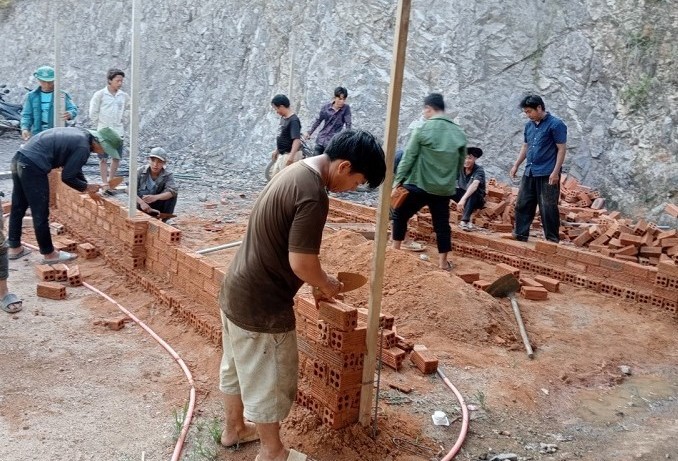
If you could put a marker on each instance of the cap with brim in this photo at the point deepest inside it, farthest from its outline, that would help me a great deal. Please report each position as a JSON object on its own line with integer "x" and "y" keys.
{"x": 476, "y": 152}
{"x": 159, "y": 153}
{"x": 44, "y": 73}
{"x": 109, "y": 140}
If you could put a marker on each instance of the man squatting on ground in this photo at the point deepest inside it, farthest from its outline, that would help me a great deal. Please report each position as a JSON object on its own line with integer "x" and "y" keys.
{"x": 470, "y": 194}
{"x": 67, "y": 148}
{"x": 288, "y": 140}
{"x": 107, "y": 108}
{"x": 544, "y": 148}
{"x": 428, "y": 170}
{"x": 156, "y": 185}
{"x": 278, "y": 254}
{"x": 336, "y": 115}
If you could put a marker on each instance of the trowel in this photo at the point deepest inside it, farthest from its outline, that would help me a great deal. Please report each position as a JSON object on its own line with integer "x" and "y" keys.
{"x": 350, "y": 280}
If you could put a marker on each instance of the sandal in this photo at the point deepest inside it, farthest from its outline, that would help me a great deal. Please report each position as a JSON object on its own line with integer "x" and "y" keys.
{"x": 448, "y": 268}
{"x": 24, "y": 252}
{"x": 63, "y": 257}
{"x": 11, "y": 303}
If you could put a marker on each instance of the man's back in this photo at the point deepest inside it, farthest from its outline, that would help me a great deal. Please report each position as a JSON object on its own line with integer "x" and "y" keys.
{"x": 288, "y": 216}
{"x": 434, "y": 156}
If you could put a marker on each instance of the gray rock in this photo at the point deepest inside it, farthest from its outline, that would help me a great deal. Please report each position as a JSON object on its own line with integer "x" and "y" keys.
{"x": 625, "y": 370}
{"x": 208, "y": 102}
{"x": 505, "y": 457}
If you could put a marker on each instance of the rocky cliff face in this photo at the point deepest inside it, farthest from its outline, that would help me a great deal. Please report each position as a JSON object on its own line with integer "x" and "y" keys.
{"x": 608, "y": 68}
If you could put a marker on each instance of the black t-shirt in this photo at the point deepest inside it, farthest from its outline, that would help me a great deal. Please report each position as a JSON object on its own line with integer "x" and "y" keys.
{"x": 465, "y": 180}
{"x": 288, "y": 131}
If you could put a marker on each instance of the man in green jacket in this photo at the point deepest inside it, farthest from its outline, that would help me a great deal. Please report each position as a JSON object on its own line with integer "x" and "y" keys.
{"x": 428, "y": 170}
{"x": 38, "y": 112}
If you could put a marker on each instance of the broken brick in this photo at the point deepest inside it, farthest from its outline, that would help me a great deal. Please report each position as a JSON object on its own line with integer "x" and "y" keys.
{"x": 550, "y": 284}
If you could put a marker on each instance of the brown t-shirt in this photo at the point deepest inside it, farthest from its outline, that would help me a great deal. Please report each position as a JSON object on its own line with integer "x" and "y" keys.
{"x": 289, "y": 216}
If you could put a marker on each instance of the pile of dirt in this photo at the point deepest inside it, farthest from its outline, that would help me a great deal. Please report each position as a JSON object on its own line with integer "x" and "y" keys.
{"x": 426, "y": 301}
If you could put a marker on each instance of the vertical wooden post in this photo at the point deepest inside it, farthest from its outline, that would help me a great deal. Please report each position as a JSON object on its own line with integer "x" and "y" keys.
{"x": 381, "y": 238}
{"x": 134, "y": 109}
{"x": 58, "y": 100}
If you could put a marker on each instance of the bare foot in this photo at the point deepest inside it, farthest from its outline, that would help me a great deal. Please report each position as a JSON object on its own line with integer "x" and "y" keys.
{"x": 248, "y": 434}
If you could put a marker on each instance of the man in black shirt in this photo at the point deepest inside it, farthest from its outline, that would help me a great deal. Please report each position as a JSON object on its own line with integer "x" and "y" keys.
{"x": 67, "y": 148}
{"x": 288, "y": 142}
{"x": 470, "y": 194}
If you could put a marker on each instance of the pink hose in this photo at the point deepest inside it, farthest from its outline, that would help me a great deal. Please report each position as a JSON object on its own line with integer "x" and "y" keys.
{"x": 464, "y": 418}
{"x": 191, "y": 404}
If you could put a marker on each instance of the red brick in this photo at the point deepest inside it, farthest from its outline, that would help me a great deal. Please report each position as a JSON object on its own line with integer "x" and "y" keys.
{"x": 468, "y": 276}
{"x": 530, "y": 282}
{"x": 534, "y": 293}
{"x": 576, "y": 266}
{"x": 503, "y": 269}
{"x": 481, "y": 284}
{"x": 60, "y": 271}
{"x": 87, "y": 251}
{"x": 672, "y": 210}
{"x": 339, "y": 315}
{"x": 393, "y": 357}
{"x": 628, "y": 250}
{"x": 583, "y": 238}
{"x": 51, "y": 290}
{"x": 629, "y": 239}
{"x": 73, "y": 276}
{"x": 424, "y": 360}
{"x": 550, "y": 284}
{"x": 45, "y": 272}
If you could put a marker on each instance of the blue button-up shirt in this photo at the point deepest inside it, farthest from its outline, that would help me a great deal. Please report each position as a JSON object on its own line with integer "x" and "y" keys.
{"x": 541, "y": 139}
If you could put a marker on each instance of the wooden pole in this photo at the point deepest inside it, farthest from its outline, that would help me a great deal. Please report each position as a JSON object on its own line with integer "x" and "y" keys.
{"x": 58, "y": 101}
{"x": 134, "y": 109}
{"x": 381, "y": 237}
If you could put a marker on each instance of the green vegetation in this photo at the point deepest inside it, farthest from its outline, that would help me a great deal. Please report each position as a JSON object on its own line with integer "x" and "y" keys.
{"x": 179, "y": 418}
{"x": 481, "y": 399}
{"x": 634, "y": 95}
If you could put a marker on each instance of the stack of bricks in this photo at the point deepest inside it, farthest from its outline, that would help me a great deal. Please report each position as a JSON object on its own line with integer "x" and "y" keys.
{"x": 148, "y": 252}
{"x": 333, "y": 348}
{"x": 344, "y": 211}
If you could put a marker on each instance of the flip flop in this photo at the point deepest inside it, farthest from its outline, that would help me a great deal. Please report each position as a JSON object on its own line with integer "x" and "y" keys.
{"x": 24, "y": 252}
{"x": 448, "y": 268}
{"x": 63, "y": 257}
{"x": 11, "y": 303}
{"x": 254, "y": 437}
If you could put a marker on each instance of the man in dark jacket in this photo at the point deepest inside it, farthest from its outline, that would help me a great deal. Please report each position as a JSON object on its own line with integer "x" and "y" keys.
{"x": 67, "y": 148}
{"x": 156, "y": 189}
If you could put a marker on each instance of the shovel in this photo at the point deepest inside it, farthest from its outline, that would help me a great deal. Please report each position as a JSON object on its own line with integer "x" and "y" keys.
{"x": 506, "y": 286}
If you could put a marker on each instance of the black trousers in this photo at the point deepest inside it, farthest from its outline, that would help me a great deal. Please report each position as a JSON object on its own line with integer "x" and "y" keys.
{"x": 473, "y": 203}
{"x": 536, "y": 190}
{"x": 440, "y": 215}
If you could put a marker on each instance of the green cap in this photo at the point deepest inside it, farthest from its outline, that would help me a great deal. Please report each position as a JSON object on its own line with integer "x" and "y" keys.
{"x": 44, "y": 73}
{"x": 109, "y": 140}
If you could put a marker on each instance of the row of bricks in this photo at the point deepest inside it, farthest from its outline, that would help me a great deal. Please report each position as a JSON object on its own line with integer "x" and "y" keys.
{"x": 330, "y": 418}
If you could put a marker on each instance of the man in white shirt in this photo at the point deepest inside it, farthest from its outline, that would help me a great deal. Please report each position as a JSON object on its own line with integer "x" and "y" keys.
{"x": 108, "y": 107}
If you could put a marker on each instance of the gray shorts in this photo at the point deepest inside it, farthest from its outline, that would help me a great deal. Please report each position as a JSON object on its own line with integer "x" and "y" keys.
{"x": 262, "y": 368}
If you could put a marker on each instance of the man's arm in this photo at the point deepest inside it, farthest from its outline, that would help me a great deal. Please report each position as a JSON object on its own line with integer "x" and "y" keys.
{"x": 554, "y": 177}
{"x": 469, "y": 192}
{"x": 94, "y": 107}
{"x": 519, "y": 161}
{"x": 408, "y": 160}
{"x": 307, "y": 268}
{"x": 71, "y": 109}
{"x": 316, "y": 123}
{"x": 348, "y": 118}
{"x": 27, "y": 118}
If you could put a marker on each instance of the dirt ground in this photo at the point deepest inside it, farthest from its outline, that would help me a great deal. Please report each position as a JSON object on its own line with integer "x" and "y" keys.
{"x": 72, "y": 389}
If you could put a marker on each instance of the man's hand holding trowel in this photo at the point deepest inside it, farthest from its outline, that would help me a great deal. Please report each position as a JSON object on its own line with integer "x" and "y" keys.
{"x": 348, "y": 281}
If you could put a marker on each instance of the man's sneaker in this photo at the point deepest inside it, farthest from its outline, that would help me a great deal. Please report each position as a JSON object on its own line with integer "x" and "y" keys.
{"x": 463, "y": 225}
{"x": 109, "y": 192}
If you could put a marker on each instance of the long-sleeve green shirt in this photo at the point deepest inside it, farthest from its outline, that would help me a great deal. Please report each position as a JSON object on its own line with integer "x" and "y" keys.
{"x": 433, "y": 157}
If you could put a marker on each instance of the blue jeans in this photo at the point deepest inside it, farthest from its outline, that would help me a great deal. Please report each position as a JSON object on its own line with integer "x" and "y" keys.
{"x": 440, "y": 216}
{"x": 473, "y": 203}
{"x": 31, "y": 189}
{"x": 535, "y": 190}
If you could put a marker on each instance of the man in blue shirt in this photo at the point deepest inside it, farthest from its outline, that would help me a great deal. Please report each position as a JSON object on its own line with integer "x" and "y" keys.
{"x": 38, "y": 111}
{"x": 544, "y": 147}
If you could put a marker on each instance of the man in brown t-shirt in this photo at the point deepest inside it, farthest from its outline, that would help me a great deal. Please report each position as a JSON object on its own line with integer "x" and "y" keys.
{"x": 278, "y": 254}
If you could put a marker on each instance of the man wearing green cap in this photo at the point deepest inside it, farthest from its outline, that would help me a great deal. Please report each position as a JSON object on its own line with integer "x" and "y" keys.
{"x": 38, "y": 111}
{"x": 67, "y": 148}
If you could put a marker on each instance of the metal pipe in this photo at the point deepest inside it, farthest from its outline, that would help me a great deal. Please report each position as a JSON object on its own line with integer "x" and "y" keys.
{"x": 220, "y": 247}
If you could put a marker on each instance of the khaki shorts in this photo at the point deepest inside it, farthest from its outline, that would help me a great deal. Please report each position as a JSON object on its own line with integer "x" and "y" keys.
{"x": 262, "y": 368}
